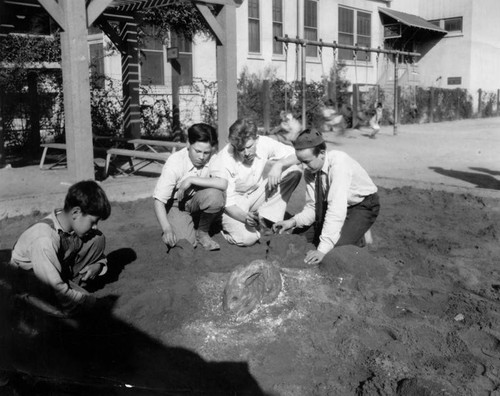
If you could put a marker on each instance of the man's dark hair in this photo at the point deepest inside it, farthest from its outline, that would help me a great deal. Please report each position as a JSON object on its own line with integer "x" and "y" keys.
{"x": 319, "y": 148}
{"x": 90, "y": 197}
{"x": 202, "y": 133}
{"x": 241, "y": 132}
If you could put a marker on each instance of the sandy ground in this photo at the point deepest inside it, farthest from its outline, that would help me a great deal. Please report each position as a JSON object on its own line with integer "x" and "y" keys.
{"x": 416, "y": 313}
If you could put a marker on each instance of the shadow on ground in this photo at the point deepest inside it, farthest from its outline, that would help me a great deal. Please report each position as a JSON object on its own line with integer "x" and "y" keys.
{"x": 480, "y": 180}
{"x": 99, "y": 354}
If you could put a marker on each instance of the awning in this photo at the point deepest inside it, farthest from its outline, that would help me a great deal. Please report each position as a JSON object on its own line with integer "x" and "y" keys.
{"x": 411, "y": 20}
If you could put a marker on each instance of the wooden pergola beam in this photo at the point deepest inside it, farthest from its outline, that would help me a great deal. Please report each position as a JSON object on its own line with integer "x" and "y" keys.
{"x": 212, "y": 22}
{"x": 95, "y": 9}
{"x": 55, "y": 11}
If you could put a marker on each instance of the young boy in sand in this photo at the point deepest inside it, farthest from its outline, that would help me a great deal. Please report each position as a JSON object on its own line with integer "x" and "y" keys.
{"x": 186, "y": 199}
{"x": 341, "y": 199}
{"x": 64, "y": 252}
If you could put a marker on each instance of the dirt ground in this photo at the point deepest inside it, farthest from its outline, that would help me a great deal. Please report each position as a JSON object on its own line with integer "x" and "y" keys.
{"x": 416, "y": 313}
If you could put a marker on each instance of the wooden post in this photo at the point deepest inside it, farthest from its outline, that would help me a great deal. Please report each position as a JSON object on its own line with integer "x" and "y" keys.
{"x": 2, "y": 137}
{"x": 395, "y": 112}
{"x": 34, "y": 137}
{"x": 266, "y": 104}
{"x": 498, "y": 102}
{"x": 76, "y": 88}
{"x": 332, "y": 92}
{"x": 431, "y": 105}
{"x": 479, "y": 103}
{"x": 304, "y": 87}
{"x": 176, "y": 80}
{"x": 227, "y": 74}
{"x": 130, "y": 80}
{"x": 355, "y": 105}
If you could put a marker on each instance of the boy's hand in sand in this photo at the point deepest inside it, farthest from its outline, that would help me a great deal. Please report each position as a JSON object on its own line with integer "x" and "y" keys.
{"x": 281, "y": 226}
{"x": 91, "y": 271}
{"x": 314, "y": 257}
{"x": 168, "y": 236}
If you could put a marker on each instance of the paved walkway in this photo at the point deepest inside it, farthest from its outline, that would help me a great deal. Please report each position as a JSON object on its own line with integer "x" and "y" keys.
{"x": 451, "y": 156}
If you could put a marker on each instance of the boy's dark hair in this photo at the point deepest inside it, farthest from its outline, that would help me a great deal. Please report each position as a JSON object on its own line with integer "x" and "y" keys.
{"x": 90, "y": 197}
{"x": 241, "y": 132}
{"x": 319, "y": 148}
{"x": 330, "y": 103}
{"x": 202, "y": 133}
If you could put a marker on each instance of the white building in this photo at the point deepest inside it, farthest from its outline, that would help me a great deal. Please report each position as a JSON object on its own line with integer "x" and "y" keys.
{"x": 457, "y": 40}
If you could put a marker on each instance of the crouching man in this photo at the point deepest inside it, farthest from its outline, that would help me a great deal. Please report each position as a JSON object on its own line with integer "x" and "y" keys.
{"x": 341, "y": 199}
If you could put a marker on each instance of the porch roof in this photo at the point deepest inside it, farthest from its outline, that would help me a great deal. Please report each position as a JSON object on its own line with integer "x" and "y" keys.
{"x": 411, "y": 20}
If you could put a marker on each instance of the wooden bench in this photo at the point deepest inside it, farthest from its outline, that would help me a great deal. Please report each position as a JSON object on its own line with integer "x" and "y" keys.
{"x": 147, "y": 158}
{"x": 55, "y": 146}
{"x": 61, "y": 157}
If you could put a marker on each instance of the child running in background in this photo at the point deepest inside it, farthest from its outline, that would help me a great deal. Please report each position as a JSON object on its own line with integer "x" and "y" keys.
{"x": 375, "y": 120}
{"x": 288, "y": 129}
{"x": 63, "y": 253}
{"x": 332, "y": 120}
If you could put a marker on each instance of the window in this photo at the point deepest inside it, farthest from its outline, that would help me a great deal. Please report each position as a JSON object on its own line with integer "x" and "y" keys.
{"x": 253, "y": 26}
{"x": 453, "y": 25}
{"x": 277, "y": 25}
{"x": 185, "y": 58}
{"x": 311, "y": 25}
{"x": 96, "y": 52}
{"x": 354, "y": 28}
{"x": 152, "y": 58}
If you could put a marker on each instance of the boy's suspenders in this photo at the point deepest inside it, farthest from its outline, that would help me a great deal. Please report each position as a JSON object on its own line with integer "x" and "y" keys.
{"x": 68, "y": 249}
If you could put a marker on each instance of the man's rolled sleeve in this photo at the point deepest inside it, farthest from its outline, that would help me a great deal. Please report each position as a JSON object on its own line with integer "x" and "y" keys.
{"x": 219, "y": 168}
{"x": 277, "y": 150}
{"x": 166, "y": 184}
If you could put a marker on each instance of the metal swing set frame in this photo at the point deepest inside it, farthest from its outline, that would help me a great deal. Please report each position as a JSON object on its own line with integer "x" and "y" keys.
{"x": 303, "y": 43}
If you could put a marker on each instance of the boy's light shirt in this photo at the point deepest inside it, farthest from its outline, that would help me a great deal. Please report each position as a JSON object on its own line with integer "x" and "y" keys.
{"x": 242, "y": 178}
{"x": 177, "y": 168}
{"x": 347, "y": 184}
{"x": 36, "y": 249}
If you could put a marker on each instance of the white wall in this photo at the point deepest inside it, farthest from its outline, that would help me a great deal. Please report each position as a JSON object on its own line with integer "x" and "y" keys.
{"x": 451, "y": 56}
{"x": 265, "y": 61}
{"x": 485, "y": 42}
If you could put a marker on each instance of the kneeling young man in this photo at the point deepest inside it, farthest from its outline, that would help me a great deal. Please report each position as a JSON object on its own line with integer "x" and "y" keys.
{"x": 186, "y": 199}
{"x": 341, "y": 199}
{"x": 261, "y": 174}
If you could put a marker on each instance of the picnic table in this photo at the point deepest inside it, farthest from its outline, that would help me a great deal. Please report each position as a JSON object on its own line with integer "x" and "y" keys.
{"x": 100, "y": 143}
{"x": 147, "y": 151}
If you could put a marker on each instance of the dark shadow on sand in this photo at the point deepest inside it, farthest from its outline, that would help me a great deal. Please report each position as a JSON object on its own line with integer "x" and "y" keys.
{"x": 484, "y": 170}
{"x": 99, "y": 354}
{"x": 480, "y": 180}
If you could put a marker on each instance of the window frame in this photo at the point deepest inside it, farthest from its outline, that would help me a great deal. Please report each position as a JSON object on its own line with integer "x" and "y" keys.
{"x": 277, "y": 25}
{"x": 311, "y": 51}
{"x": 152, "y": 45}
{"x": 441, "y": 22}
{"x": 254, "y": 47}
{"x": 361, "y": 56}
